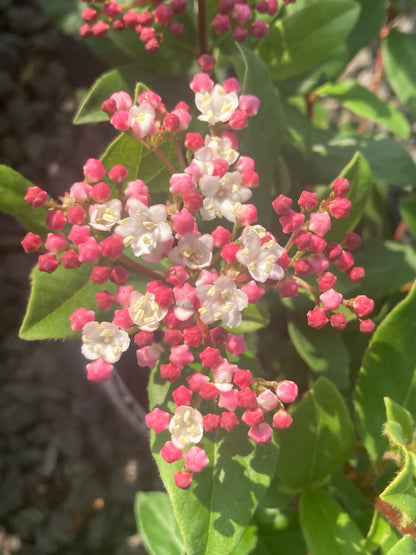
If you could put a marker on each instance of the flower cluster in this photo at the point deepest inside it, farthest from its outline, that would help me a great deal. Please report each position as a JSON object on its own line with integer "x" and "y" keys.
{"x": 183, "y": 320}
{"x": 149, "y": 19}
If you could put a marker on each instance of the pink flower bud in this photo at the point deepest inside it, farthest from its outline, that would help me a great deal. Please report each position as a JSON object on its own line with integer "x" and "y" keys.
{"x": 170, "y": 453}
{"x": 109, "y": 106}
{"x": 79, "y": 234}
{"x": 208, "y": 391}
{"x": 183, "y": 479}
{"x": 284, "y": 261}
{"x": 362, "y": 305}
{"x": 308, "y": 200}
{"x": 122, "y": 99}
{"x": 182, "y": 396}
{"x": 261, "y": 433}
{"x": 89, "y": 250}
{"x": 356, "y": 274}
{"x": 287, "y": 391}
{"x": 218, "y": 335}
{"x": 193, "y": 200}
{"x": 242, "y": 378}
{"x": 291, "y": 221}
{"x": 173, "y": 337}
{"x": 122, "y": 318}
{"x": 48, "y": 263}
{"x": 317, "y": 318}
{"x": 262, "y": 6}
{"x": 259, "y": 29}
{"x": 196, "y": 381}
{"x": 331, "y": 299}
{"x": 226, "y": 6}
{"x": 130, "y": 19}
{"x": 157, "y": 420}
{"x": 228, "y": 400}
{"x": 317, "y": 244}
{"x": 118, "y": 173}
{"x": 99, "y": 370}
{"x": 339, "y": 207}
{"x": 195, "y": 459}
{"x": 301, "y": 267}
{"x": 120, "y": 120}
{"x": 206, "y": 62}
{"x": 282, "y": 419}
{"x": 351, "y": 241}
{"x": 211, "y": 422}
{"x": 333, "y": 251}
{"x": 240, "y": 34}
{"x": 236, "y": 344}
{"x": 80, "y": 317}
{"x": 55, "y": 220}
{"x": 149, "y": 355}
{"x": 80, "y": 191}
{"x": 170, "y": 372}
{"x": 229, "y": 421}
{"x": 318, "y": 264}
{"x": 104, "y": 299}
{"x": 184, "y": 222}
{"x": 249, "y": 103}
{"x": 339, "y": 321}
{"x": 221, "y": 23}
{"x": 112, "y": 9}
{"x": 326, "y": 281}
{"x": 238, "y": 120}
{"x": 94, "y": 170}
{"x": 178, "y": 6}
{"x": 253, "y": 417}
{"x": 267, "y": 400}
{"x": 36, "y": 197}
{"x": 253, "y": 291}
{"x": 100, "y": 192}
{"x": 210, "y": 357}
{"x": 76, "y": 215}
{"x": 31, "y": 242}
{"x": 119, "y": 275}
{"x": 100, "y": 274}
{"x": 193, "y": 141}
{"x": 112, "y": 247}
{"x": 247, "y": 214}
{"x": 221, "y": 236}
{"x": 250, "y": 178}
{"x": 56, "y": 242}
{"x": 145, "y": 19}
{"x": 367, "y": 326}
{"x": 193, "y": 336}
{"x": 245, "y": 163}
{"x": 229, "y": 251}
{"x": 288, "y": 288}
{"x": 177, "y": 275}
{"x": 86, "y": 31}
{"x": 181, "y": 355}
{"x": 143, "y": 338}
{"x": 345, "y": 261}
{"x": 341, "y": 186}
{"x": 201, "y": 83}
{"x": 162, "y": 14}
{"x": 273, "y": 6}
{"x": 320, "y": 223}
{"x": 89, "y": 15}
{"x": 246, "y": 398}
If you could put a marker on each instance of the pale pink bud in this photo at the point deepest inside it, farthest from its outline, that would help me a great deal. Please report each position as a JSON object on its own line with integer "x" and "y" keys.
{"x": 261, "y": 433}
{"x": 123, "y": 295}
{"x": 36, "y": 197}
{"x": 56, "y": 242}
{"x": 341, "y": 186}
{"x": 99, "y": 370}
{"x": 157, "y": 420}
{"x": 331, "y": 299}
{"x": 180, "y": 355}
{"x": 247, "y": 214}
{"x": 228, "y": 400}
{"x": 208, "y": 391}
{"x": 253, "y": 291}
{"x": 31, "y": 242}
{"x": 238, "y": 120}
{"x": 242, "y": 13}
{"x": 236, "y": 344}
{"x": 47, "y": 263}
{"x": 196, "y": 459}
{"x": 123, "y": 101}
{"x": 246, "y": 163}
{"x": 320, "y": 223}
{"x": 291, "y": 221}
{"x": 267, "y": 400}
{"x": 287, "y": 391}
{"x": 249, "y": 103}
{"x": 318, "y": 264}
{"x": 79, "y": 234}
{"x": 339, "y": 207}
{"x": 196, "y": 381}
{"x": 80, "y": 317}
{"x": 183, "y": 479}
{"x": 94, "y": 170}
{"x": 221, "y": 236}
{"x": 362, "y": 305}
{"x": 250, "y": 178}
{"x": 184, "y": 222}
{"x": 201, "y": 83}
{"x": 253, "y": 417}
{"x": 282, "y": 419}
{"x": 89, "y": 250}
{"x": 149, "y": 355}
{"x": 170, "y": 453}
{"x": 317, "y": 318}
{"x": 80, "y": 191}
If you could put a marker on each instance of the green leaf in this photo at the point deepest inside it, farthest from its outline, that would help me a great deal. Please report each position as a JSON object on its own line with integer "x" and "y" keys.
{"x": 388, "y": 370}
{"x": 157, "y": 525}
{"x": 247, "y": 543}
{"x": 54, "y": 297}
{"x": 359, "y": 175}
{"x": 214, "y": 513}
{"x": 124, "y": 150}
{"x": 365, "y": 104}
{"x": 406, "y": 546}
{"x": 152, "y": 170}
{"x": 115, "y": 80}
{"x": 307, "y": 37}
{"x": 13, "y": 188}
{"x": 279, "y": 532}
{"x": 255, "y": 317}
{"x": 400, "y": 64}
{"x": 381, "y": 533}
{"x": 323, "y": 350}
{"x": 321, "y": 435}
{"x": 327, "y": 527}
{"x": 407, "y": 207}
{"x": 402, "y": 417}
{"x": 261, "y": 140}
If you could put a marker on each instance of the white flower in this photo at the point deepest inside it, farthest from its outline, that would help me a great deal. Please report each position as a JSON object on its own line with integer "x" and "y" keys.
{"x": 194, "y": 252}
{"x": 104, "y": 216}
{"x": 216, "y": 105}
{"x": 146, "y": 230}
{"x": 221, "y": 301}
{"x": 223, "y": 375}
{"x": 223, "y": 196}
{"x": 186, "y": 426}
{"x": 221, "y": 147}
{"x": 145, "y": 312}
{"x": 104, "y": 340}
{"x": 260, "y": 259}
{"x": 142, "y": 119}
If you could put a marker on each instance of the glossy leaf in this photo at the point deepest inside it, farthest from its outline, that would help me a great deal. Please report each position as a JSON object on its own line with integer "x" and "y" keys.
{"x": 157, "y": 525}
{"x": 327, "y": 527}
{"x": 307, "y": 37}
{"x": 400, "y": 66}
{"x": 13, "y": 188}
{"x": 54, "y": 297}
{"x": 261, "y": 140}
{"x": 364, "y": 103}
{"x": 405, "y": 546}
{"x": 209, "y": 523}
{"x": 388, "y": 370}
{"x": 124, "y": 150}
{"x": 114, "y": 80}
{"x": 321, "y": 435}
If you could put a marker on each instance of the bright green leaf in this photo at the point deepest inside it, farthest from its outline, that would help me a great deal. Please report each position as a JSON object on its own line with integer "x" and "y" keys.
{"x": 327, "y": 527}
{"x": 388, "y": 370}
{"x": 157, "y": 525}
{"x": 406, "y": 546}
{"x": 112, "y": 81}
{"x": 13, "y": 188}
{"x": 307, "y": 37}
{"x": 400, "y": 64}
{"x": 401, "y": 416}
{"x": 364, "y": 103}
{"x": 214, "y": 513}
{"x": 124, "y": 150}
{"x": 320, "y": 438}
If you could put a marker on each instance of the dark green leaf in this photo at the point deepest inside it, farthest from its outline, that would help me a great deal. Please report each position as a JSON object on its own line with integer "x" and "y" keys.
{"x": 407, "y": 206}
{"x": 157, "y": 524}
{"x": 321, "y": 435}
{"x": 214, "y": 513}
{"x": 115, "y": 80}
{"x": 279, "y": 532}
{"x": 327, "y": 527}
{"x": 13, "y": 188}
{"x": 400, "y": 65}
{"x": 261, "y": 140}
{"x": 364, "y": 103}
{"x": 307, "y": 37}
{"x": 388, "y": 370}
{"x": 255, "y": 317}
{"x": 152, "y": 170}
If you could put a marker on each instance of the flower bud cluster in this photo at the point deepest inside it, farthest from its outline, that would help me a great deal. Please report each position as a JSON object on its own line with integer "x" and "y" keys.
{"x": 183, "y": 320}
{"x": 149, "y": 19}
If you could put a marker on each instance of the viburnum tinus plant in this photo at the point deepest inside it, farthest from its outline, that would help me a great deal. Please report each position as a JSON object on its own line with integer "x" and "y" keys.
{"x": 206, "y": 239}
